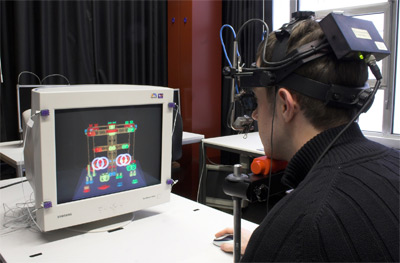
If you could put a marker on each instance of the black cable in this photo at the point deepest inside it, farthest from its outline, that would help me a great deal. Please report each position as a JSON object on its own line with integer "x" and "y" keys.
{"x": 249, "y": 21}
{"x": 230, "y": 113}
{"x": 287, "y": 62}
{"x": 272, "y": 150}
{"x": 367, "y": 103}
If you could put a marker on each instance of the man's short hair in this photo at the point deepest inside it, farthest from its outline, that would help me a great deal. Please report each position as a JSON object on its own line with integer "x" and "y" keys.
{"x": 326, "y": 69}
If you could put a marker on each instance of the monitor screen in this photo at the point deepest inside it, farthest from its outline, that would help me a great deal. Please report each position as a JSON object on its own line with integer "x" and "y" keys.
{"x": 115, "y": 149}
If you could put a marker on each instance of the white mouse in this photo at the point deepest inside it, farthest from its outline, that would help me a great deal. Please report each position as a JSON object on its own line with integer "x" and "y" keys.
{"x": 228, "y": 238}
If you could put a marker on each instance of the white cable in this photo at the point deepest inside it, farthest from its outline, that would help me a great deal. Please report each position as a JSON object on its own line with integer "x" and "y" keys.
{"x": 29, "y": 211}
{"x": 55, "y": 75}
{"x": 176, "y": 115}
{"x": 20, "y": 216}
{"x": 23, "y": 72}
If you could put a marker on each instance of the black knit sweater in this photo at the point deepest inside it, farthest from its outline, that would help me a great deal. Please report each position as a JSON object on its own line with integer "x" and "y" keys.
{"x": 346, "y": 209}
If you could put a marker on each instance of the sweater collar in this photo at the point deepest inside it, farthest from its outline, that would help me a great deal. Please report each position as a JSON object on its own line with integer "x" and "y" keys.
{"x": 308, "y": 154}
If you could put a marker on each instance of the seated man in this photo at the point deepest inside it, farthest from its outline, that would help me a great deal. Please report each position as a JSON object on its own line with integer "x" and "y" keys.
{"x": 346, "y": 207}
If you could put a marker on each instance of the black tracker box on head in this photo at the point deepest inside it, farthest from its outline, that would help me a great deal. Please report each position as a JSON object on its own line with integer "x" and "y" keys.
{"x": 349, "y": 37}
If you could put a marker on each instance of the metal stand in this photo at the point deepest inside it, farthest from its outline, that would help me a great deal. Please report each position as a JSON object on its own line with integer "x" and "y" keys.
{"x": 236, "y": 185}
{"x": 237, "y": 229}
{"x": 241, "y": 187}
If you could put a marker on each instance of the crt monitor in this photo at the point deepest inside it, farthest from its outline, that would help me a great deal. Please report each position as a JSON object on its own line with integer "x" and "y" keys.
{"x": 97, "y": 151}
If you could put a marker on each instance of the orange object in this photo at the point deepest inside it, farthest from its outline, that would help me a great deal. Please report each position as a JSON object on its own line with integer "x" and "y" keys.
{"x": 262, "y": 165}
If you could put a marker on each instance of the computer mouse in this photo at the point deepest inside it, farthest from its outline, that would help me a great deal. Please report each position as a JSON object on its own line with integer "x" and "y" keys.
{"x": 228, "y": 238}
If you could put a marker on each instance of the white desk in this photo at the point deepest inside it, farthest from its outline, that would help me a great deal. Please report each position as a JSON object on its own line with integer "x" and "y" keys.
{"x": 243, "y": 144}
{"x": 248, "y": 145}
{"x": 189, "y": 138}
{"x": 12, "y": 152}
{"x": 178, "y": 231}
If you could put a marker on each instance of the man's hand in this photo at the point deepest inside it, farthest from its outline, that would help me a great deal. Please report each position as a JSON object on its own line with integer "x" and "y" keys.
{"x": 246, "y": 234}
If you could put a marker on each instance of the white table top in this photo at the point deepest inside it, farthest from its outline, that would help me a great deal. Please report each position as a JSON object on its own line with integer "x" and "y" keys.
{"x": 247, "y": 144}
{"x": 189, "y": 138}
{"x": 12, "y": 152}
{"x": 178, "y": 231}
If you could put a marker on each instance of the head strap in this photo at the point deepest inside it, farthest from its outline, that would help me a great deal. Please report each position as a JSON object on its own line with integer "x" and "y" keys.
{"x": 283, "y": 35}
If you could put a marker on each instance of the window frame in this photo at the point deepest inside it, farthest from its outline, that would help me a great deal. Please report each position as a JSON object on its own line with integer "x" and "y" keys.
{"x": 391, "y": 21}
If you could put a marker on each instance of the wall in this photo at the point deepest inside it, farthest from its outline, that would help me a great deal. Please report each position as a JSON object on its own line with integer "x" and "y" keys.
{"x": 194, "y": 66}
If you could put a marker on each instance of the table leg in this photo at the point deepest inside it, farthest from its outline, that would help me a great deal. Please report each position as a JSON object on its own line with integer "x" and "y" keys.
{"x": 20, "y": 170}
{"x": 202, "y": 175}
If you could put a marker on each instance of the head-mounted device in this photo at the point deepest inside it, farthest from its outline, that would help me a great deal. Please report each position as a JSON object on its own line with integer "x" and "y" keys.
{"x": 348, "y": 38}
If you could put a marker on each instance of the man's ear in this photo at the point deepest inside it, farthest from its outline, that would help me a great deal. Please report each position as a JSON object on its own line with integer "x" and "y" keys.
{"x": 287, "y": 106}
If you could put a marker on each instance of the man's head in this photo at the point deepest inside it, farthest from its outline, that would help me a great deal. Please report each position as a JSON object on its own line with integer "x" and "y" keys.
{"x": 326, "y": 69}
{"x": 297, "y": 118}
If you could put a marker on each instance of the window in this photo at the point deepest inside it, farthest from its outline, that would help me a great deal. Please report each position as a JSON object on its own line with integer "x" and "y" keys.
{"x": 382, "y": 121}
{"x": 396, "y": 128}
{"x": 317, "y": 5}
{"x": 280, "y": 13}
{"x": 373, "y": 119}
